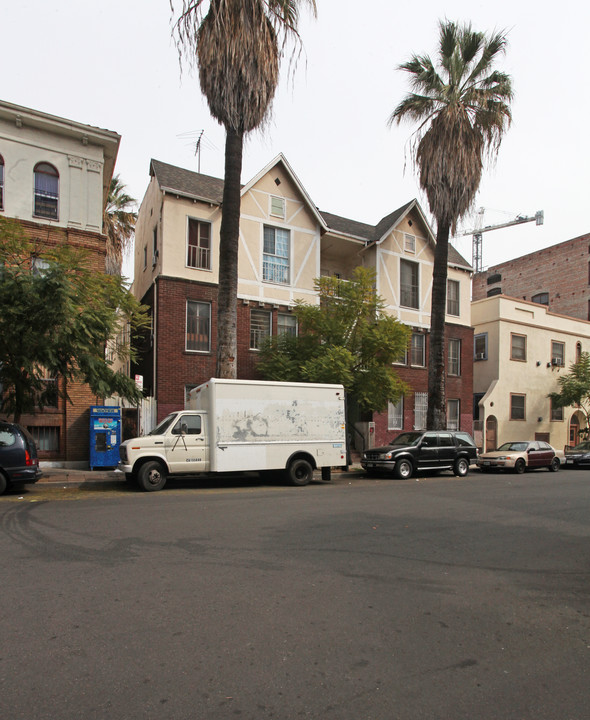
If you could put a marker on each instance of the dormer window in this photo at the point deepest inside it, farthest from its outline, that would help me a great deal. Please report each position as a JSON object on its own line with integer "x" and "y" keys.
{"x": 46, "y": 191}
{"x": 277, "y": 207}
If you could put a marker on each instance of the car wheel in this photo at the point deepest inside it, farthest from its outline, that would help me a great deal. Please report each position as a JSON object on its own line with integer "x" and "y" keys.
{"x": 461, "y": 467}
{"x": 300, "y": 472}
{"x": 151, "y": 476}
{"x": 519, "y": 466}
{"x": 555, "y": 464}
{"x": 3, "y": 483}
{"x": 403, "y": 469}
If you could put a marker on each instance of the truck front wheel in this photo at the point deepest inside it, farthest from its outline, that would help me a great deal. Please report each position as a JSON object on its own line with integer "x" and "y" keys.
{"x": 151, "y": 476}
{"x": 300, "y": 472}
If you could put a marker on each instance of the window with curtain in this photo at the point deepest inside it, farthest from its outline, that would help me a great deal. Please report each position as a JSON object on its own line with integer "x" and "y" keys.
{"x": 275, "y": 257}
{"x": 409, "y": 284}
{"x": 46, "y": 191}
{"x": 199, "y": 245}
{"x": 198, "y": 326}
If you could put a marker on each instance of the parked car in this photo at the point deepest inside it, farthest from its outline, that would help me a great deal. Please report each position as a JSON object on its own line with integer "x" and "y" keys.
{"x": 19, "y": 462}
{"x": 521, "y": 455}
{"x": 422, "y": 450}
{"x": 578, "y": 455}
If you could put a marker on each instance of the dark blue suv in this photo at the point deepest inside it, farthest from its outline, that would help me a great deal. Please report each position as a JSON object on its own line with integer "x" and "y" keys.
{"x": 19, "y": 462}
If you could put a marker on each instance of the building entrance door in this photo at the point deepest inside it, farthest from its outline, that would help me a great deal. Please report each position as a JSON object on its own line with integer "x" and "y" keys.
{"x": 491, "y": 433}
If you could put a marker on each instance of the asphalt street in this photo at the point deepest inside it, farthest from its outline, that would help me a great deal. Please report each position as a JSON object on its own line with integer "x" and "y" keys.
{"x": 439, "y": 598}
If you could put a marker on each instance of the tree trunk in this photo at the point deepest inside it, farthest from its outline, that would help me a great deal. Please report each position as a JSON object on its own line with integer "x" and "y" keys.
{"x": 436, "y": 418}
{"x": 227, "y": 342}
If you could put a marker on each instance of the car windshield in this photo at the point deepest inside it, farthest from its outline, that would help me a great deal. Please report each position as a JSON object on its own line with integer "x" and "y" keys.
{"x": 514, "y": 446}
{"x": 163, "y": 426}
{"x": 405, "y": 439}
{"x": 582, "y": 447}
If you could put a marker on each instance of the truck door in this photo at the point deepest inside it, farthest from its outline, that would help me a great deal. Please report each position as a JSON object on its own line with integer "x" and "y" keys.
{"x": 186, "y": 445}
{"x": 446, "y": 450}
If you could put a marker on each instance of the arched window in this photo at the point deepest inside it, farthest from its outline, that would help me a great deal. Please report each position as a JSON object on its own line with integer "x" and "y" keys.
{"x": 46, "y": 191}
{"x": 1, "y": 183}
{"x": 578, "y": 351}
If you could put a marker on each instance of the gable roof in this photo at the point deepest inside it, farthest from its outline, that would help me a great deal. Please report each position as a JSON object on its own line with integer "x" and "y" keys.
{"x": 206, "y": 188}
{"x": 187, "y": 183}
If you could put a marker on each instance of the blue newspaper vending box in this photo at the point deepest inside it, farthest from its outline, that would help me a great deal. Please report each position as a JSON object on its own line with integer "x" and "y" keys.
{"x": 105, "y": 436}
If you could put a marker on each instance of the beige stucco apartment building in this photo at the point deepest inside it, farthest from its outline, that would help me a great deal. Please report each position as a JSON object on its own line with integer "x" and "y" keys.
{"x": 520, "y": 351}
{"x": 286, "y": 242}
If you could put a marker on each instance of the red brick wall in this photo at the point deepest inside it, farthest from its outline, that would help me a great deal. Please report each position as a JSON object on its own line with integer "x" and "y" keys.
{"x": 177, "y": 367}
{"x": 456, "y": 388}
{"x": 561, "y": 270}
{"x": 72, "y": 419}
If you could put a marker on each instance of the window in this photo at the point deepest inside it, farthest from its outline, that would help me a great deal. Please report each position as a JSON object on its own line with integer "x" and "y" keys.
{"x": 275, "y": 259}
{"x": 403, "y": 358}
{"x": 556, "y": 412}
{"x": 198, "y": 326}
{"x": 480, "y": 346}
{"x": 50, "y": 393}
{"x": 46, "y": 191}
{"x": 1, "y": 183}
{"x": 578, "y": 351}
{"x": 286, "y": 324}
{"x": 189, "y": 424}
{"x": 476, "y": 400}
{"x": 39, "y": 266}
{"x": 199, "y": 245}
{"x": 517, "y": 347}
{"x": 410, "y": 243}
{"x": 409, "y": 284}
{"x": 418, "y": 356}
{"x": 145, "y": 257}
{"x": 155, "y": 245}
{"x": 395, "y": 415}
{"x": 420, "y": 410}
{"x": 517, "y": 407}
{"x": 541, "y": 298}
{"x": 46, "y": 437}
{"x": 452, "y": 414}
{"x": 277, "y": 206}
{"x": 259, "y": 327}
{"x": 454, "y": 357}
{"x": 453, "y": 297}
{"x": 557, "y": 353}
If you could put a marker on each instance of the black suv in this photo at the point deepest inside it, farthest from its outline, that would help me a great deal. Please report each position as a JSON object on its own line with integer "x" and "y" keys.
{"x": 422, "y": 450}
{"x": 18, "y": 456}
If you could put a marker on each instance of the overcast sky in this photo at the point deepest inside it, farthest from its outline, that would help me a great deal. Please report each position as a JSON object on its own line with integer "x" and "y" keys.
{"x": 113, "y": 64}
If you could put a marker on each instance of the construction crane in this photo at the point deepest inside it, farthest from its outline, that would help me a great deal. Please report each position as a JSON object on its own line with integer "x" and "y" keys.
{"x": 477, "y": 232}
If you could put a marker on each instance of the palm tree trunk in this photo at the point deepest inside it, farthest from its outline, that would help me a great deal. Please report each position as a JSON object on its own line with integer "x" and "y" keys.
{"x": 227, "y": 344}
{"x": 436, "y": 418}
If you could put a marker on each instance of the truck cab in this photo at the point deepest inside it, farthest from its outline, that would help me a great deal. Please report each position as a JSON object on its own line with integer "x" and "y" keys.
{"x": 179, "y": 445}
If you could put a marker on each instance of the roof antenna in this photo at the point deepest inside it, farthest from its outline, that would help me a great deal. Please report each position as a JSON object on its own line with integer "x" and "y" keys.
{"x": 198, "y": 150}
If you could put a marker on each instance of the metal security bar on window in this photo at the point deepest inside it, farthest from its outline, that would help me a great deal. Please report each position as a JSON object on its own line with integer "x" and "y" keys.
{"x": 420, "y": 410}
{"x": 198, "y": 324}
{"x": 454, "y": 357}
{"x": 46, "y": 438}
{"x": 395, "y": 415}
{"x": 275, "y": 260}
{"x": 259, "y": 327}
{"x": 286, "y": 325}
{"x": 46, "y": 191}
{"x": 199, "y": 245}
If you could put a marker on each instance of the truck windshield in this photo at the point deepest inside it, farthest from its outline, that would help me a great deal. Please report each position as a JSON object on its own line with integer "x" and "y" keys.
{"x": 405, "y": 439}
{"x": 164, "y": 425}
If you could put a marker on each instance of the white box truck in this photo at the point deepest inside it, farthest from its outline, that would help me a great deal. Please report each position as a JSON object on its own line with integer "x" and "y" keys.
{"x": 244, "y": 425}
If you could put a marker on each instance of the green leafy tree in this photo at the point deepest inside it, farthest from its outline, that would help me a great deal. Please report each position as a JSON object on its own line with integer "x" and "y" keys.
{"x": 119, "y": 224}
{"x": 461, "y": 105}
{"x": 237, "y": 45}
{"x": 574, "y": 388}
{"x": 56, "y": 316}
{"x": 346, "y": 339}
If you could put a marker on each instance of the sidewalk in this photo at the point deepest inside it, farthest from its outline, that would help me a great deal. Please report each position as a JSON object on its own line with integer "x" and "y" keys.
{"x": 67, "y": 476}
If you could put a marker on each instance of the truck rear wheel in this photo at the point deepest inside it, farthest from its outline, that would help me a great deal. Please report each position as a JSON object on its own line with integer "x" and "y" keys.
{"x": 151, "y": 476}
{"x": 300, "y": 472}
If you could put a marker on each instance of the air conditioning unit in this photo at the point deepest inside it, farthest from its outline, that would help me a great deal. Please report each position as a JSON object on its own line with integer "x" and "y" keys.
{"x": 557, "y": 362}
{"x": 480, "y": 356}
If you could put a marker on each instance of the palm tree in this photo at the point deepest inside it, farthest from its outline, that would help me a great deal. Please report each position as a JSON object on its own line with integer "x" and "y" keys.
{"x": 119, "y": 224}
{"x": 237, "y": 45}
{"x": 462, "y": 107}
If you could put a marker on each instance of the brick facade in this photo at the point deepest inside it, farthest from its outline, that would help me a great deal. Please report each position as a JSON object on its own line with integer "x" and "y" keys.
{"x": 456, "y": 387}
{"x": 561, "y": 271}
{"x": 71, "y": 419}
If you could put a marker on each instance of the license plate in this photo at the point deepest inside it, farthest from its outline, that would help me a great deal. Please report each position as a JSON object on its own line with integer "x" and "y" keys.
{"x": 486, "y": 462}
